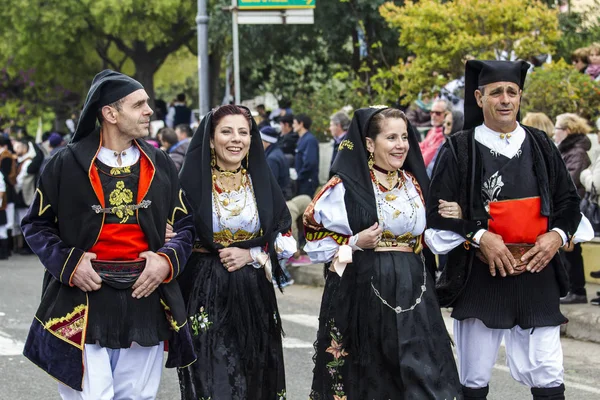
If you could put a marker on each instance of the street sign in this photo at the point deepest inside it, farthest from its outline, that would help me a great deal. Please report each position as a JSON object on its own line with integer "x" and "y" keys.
{"x": 262, "y": 17}
{"x": 274, "y": 4}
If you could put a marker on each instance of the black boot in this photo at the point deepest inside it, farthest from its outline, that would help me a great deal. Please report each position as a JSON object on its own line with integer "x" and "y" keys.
{"x": 475, "y": 394}
{"x": 554, "y": 393}
{"x": 3, "y": 249}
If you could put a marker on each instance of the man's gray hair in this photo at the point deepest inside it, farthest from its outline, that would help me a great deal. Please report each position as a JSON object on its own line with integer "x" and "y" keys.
{"x": 445, "y": 101}
{"x": 342, "y": 119}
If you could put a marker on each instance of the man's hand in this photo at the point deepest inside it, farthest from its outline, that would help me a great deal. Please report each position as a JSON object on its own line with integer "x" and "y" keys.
{"x": 544, "y": 250}
{"x": 169, "y": 233}
{"x": 495, "y": 251}
{"x": 369, "y": 238}
{"x": 156, "y": 271}
{"x": 234, "y": 258}
{"x": 85, "y": 278}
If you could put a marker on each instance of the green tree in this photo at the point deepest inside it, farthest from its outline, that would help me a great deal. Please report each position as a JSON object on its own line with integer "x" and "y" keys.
{"x": 442, "y": 34}
{"x": 559, "y": 88}
{"x": 67, "y": 41}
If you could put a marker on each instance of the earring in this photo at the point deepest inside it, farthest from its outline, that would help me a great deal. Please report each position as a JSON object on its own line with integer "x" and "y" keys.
{"x": 213, "y": 158}
{"x": 247, "y": 162}
{"x": 371, "y": 161}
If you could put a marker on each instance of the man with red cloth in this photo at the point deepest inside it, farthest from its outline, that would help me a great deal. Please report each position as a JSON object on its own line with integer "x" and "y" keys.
{"x": 517, "y": 207}
{"x": 110, "y": 300}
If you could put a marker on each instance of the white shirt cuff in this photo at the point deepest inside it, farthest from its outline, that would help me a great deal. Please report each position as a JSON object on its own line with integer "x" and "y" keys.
{"x": 478, "y": 236}
{"x": 562, "y": 234}
{"x": 352, "y": 243}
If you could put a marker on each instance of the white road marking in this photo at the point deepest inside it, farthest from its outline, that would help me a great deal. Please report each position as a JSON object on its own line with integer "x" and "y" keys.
{"x": 293, "y": 343}
{"x": 9, "y": 346}
{"x": 311, "y": 321}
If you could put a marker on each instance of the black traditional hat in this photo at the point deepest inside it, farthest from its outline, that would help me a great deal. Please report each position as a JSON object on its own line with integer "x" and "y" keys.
{"x": 483, "y": 72}
{"x": 107, "y": 87}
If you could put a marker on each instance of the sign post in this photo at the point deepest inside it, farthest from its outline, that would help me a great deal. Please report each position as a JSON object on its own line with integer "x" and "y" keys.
{"x": 265, "y": 12}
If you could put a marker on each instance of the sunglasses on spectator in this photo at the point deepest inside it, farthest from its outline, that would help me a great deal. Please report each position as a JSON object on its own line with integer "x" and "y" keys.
{"x": 436, "y": 112}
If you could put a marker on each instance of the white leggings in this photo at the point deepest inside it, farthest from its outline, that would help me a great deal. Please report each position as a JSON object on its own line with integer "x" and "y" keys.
{"x": 123, "y": 374}
{"x": 534, "y": 356}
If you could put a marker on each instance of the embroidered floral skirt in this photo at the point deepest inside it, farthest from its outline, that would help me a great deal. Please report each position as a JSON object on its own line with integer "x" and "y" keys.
{"x": 236, "y": 331}
{"x": 410, "y": 353}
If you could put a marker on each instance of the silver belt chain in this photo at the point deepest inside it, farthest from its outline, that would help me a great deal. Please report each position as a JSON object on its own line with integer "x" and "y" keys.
{"x": 398, "y": 309}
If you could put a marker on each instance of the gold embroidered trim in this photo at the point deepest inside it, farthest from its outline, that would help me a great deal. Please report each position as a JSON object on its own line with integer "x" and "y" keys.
{"x": 120, "y": 170}
{"x": 170, "y": 318}
{"x": 42, "y": 208}
{"x": 339, "y": 239}
{"x": 346, "y": 144}
{"x": 183, "y": 208}
{"x": 176, "y": 258}
{"x": 73, "y": 329}
{"x": 226, "y": 237}
{"x": 65, "y": 264}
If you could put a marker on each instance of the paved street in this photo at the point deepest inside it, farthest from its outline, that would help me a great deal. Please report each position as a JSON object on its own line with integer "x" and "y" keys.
{"x": 20, "y": 282}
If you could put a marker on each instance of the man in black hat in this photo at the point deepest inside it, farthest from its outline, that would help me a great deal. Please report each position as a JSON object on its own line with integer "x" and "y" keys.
{"x": 513, "y": 206}
{"x": 110, "y": 300}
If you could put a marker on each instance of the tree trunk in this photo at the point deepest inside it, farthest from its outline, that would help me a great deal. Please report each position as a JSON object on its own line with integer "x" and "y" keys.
{"x": 144, "y": 74}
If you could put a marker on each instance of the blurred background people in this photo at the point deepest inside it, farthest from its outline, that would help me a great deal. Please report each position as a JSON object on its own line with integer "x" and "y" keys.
{"x": 570, "y": 133}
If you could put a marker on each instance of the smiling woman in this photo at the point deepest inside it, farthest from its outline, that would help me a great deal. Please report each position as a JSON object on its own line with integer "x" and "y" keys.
{"x": 367, "y": 224}
{"x": 243, "y": 228}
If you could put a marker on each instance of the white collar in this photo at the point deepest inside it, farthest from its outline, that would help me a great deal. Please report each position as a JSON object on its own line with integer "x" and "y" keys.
{"x": 507, "y": 144}
{"x": 128, "y": 157}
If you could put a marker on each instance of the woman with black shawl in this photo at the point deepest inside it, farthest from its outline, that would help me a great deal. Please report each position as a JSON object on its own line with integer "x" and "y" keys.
{"x": 243, "y": 228}
{"x": 381, "y": 333}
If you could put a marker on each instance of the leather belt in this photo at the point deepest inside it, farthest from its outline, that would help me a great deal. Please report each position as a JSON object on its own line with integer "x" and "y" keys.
{"x": 517, "y": 251}
{"x": 120, "y": 274}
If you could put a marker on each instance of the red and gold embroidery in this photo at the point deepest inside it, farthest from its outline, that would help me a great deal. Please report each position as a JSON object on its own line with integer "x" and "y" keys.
{"x": 71, "y": 327}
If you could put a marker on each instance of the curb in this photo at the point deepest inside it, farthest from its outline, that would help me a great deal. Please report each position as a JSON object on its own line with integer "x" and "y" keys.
{"x": 584, "y": 319}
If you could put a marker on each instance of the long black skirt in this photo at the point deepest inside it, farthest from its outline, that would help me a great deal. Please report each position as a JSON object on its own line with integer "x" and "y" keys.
{"x": 236, "y": 331}
{"x": 410, "y": 353}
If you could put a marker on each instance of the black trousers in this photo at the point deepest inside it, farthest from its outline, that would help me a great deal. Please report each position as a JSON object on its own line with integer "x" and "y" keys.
{"x": 576, "y": 274}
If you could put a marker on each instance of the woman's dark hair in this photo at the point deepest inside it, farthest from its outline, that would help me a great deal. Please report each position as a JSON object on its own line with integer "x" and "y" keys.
{"x": 375, "y": 124}
{"x": 228, "y": 109}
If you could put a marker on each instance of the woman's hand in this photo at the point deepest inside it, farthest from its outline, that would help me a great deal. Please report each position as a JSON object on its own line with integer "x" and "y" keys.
{"x": 449, "y": 209}
{"x": 369, "y": 238}
{"x": 169, "y": 233}
{"x": 234, "y": 258}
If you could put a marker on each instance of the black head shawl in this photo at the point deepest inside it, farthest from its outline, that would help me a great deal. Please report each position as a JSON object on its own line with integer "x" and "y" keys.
{"x": 107, "y": 87}
{"x": 274, "y": 216}
{"x": 480, "y": 73}
{"x": 352, "y": 297}
{"x": 196, "y": 180}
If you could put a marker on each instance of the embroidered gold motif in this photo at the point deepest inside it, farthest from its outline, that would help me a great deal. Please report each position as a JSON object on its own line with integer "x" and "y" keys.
{"x": 42, "y": 208}
{"x": 70, "y": 327}
{"x": 119, "y": 199}
{"x": 120, "y": 170}
{"x": 226, "y": 237}
{"x": 346, "y": 144}
{"x": 183, "y": 208}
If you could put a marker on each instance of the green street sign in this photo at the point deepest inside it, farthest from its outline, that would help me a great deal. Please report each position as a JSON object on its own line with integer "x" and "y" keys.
{"x": 274, "y": 4}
